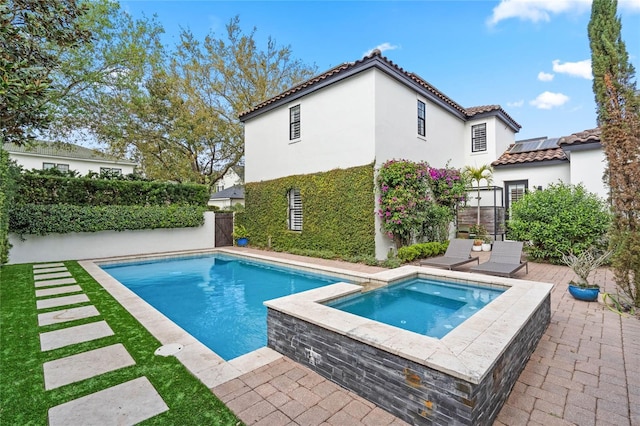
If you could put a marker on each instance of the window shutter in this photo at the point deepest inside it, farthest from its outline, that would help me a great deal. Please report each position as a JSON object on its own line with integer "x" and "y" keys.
{"x": 295, "y": 210}
{"x": 294, "y": 122}
{"x": 479, "y": 137}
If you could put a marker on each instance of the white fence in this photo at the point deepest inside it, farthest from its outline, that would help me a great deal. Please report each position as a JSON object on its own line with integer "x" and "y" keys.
{"x": 94, "y": 245}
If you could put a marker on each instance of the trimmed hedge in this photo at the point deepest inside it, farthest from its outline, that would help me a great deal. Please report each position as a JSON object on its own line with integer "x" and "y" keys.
{"x": 422, "y": 250}
{"x": 38, "y": 188}
{"x": 337, "y": 207}
{"x": 64, "y": 218}
{"x": 6, "y": 186}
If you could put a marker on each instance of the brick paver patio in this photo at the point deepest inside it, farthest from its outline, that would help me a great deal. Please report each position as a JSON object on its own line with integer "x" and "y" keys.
{"x": 585, "y": 371}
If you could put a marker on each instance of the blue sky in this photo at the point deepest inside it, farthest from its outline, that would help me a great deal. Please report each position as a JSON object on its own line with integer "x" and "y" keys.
{"x": 531, "y": 57}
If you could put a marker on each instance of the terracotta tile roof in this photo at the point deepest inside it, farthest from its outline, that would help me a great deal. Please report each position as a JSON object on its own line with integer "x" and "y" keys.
{"x": 530, "y": 157}
{"x": 554, "y": 153}
{"x": 586, "y": 136}
{"x": 376, "y": 57}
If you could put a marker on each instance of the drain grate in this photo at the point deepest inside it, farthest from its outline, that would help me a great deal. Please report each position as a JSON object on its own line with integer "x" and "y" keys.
{"x": 169, "y": 349}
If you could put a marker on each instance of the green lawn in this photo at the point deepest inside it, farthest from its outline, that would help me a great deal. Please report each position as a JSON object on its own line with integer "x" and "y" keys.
{"x": 23, "y": 398}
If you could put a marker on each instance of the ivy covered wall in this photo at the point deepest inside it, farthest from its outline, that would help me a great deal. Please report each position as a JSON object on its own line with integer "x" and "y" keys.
{"x": 337, "y": 206}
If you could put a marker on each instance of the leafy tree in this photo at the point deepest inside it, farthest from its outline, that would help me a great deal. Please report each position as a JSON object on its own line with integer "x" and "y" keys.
{"x": 618, "y": 106}
{"x": 181, "y": 121}
{"x": 559, "y": 219}
{"x": 32, "y": 34}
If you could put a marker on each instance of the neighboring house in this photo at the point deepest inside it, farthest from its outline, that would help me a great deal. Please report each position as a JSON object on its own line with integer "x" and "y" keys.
{"x": 66, "y": 157}
{"x": 365, "y": 112}
{"x": 227, "y": 197}
{"x": 233, "y": 177}
{"x": 535, "y": 163}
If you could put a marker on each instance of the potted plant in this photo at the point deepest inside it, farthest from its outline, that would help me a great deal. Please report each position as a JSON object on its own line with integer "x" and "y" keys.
{"x": 480, "y": 236}
{"x": 477, "y": 245}
{"x": 240, "y": 235}
{"x": 582, "y": 265}
{"x": 486, "y": 243}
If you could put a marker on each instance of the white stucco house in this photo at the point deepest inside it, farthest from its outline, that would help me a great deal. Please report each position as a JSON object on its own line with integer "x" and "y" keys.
{"x": 66, "y": 157}
{"x": 371, "y": 111}
{"x": 536, "y": 163}
{"x": 233, "y": 177}
{"x": 227, "y": 198}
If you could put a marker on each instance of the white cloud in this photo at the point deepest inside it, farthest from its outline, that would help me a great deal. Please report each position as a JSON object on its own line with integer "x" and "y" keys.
{"x": 516, "y": 104}
{"x": 549, "y": 100}
{"x": 536, "y": 10}
{"x": 576, "y": 69}
{"x": 382, "y": 47}
{"x": 543, "y": 76}
{"x": 629, "y": 5}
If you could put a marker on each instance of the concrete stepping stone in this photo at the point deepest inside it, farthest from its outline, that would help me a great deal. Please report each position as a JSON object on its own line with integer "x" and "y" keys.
{"x": 61, "y": 301}
{"x": 126, "y": 404}
{"x": 49, "y": 270}
{"x": 65, "y": 315}
{"x": 75, "y": 368}
{"x": 72, "y": 335}
{"x": 53, "y": 275}
{"x": 58, "y": 290}
{"x": 60, "y": 281}
{"x": 47, "y": 265}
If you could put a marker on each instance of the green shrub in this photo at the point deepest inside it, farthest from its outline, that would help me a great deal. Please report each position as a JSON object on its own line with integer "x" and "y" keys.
{"x": 559, "y": 219}
{"x": 421, "y": 251}
{"x": 63, "y": 218}
{"x": 39, "y": 188}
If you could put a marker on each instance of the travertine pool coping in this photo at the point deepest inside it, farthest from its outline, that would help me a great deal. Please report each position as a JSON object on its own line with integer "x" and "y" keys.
{"x": 465, "y": 352}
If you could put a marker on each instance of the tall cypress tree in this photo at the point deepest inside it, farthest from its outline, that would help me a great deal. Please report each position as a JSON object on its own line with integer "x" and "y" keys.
{"x": 618, "y": 106}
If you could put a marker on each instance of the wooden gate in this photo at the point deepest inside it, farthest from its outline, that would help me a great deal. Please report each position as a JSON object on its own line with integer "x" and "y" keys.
{"x": 224, "y": 229}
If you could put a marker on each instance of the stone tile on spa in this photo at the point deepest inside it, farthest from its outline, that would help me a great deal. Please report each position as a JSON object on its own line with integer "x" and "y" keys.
{"x": 50, "y": 283}
{"x": 61, "y": 301}
{"x": 85, "y": 365}
{"x": 37, "y": 272}
{"x": 65, "y": 315}
{"x": 47, "y": 265}
{"x": 128, "y": 403}
{"x": 53, "y": 275}
{"x": 72, "y": 335}
{"x": 58, "y": 290}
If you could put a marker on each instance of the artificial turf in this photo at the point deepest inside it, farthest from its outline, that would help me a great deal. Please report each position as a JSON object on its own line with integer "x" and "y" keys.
{"x": 25, "y": 401}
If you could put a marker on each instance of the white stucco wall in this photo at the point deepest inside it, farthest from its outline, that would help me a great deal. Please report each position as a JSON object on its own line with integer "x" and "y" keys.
{"x": 337, "y": 131}
{"x": 587, "y": 167}
{"x": 536, "y": 175}
{"x": 94, "y": 245}
{"x": 35, "y": 161}
{"x": 397, "y": 129}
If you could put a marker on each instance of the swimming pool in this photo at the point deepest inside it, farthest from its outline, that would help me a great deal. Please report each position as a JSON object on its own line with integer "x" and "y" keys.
{"x": 217, "y": 298}
{"x": 428, "y": 307}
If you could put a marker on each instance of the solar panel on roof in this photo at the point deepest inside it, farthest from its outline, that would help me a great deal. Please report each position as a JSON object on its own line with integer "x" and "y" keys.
{"x": 533, "y": 145}
{"x": 549, "y": 143}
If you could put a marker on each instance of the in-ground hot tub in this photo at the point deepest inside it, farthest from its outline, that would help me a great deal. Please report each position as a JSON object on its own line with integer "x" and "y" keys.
{"x": 461, "y": 378}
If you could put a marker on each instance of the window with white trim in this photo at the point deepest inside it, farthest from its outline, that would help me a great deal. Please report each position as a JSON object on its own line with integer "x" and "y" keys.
{"x": 479, "y": 137}
{"x": 59, "y": 166}
{"x": 422, "y": 119}
{"x": 114, "y": 171}
{"x": 295, "y": 210}
{"x": 294, "y": 122}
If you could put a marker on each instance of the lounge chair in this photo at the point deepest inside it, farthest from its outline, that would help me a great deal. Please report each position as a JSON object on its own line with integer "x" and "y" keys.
{"x": 505, "y": 260}
{"x": 457, "y": 254}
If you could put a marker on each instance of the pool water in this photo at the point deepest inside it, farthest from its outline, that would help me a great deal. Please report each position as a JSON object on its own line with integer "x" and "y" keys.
{"x": 218, "y": 299}
{"x": 428, "y": 307}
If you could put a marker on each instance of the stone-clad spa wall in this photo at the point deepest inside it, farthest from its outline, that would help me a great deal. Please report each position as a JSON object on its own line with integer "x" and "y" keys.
{"x": 413, "y": 392}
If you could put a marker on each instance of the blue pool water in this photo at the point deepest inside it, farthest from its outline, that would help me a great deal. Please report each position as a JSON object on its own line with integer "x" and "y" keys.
{"x": 218, "y": 299}
{"x": 428, "y": 307}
